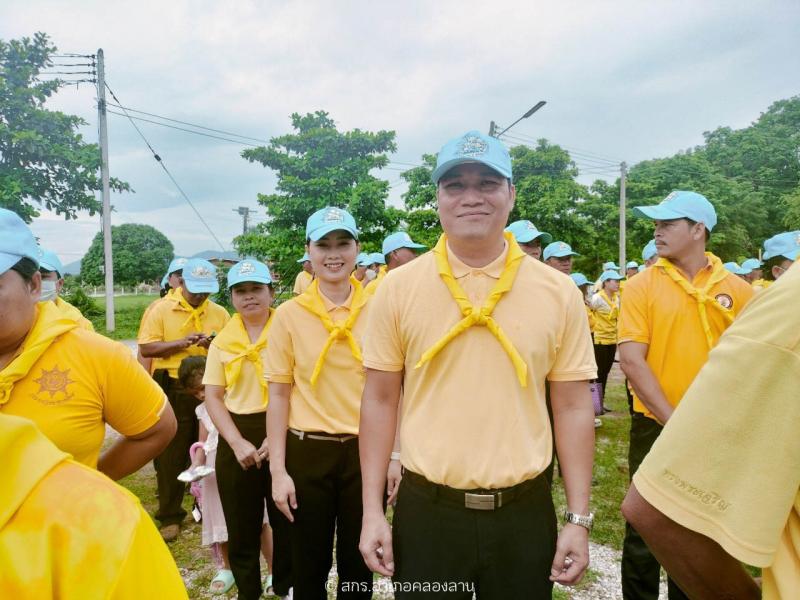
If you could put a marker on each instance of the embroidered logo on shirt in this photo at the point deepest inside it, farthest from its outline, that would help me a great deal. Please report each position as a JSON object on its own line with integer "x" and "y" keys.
{"x": 708, "y": 498}
{"x": 725, "y": 301}
{"x": 54, "y": 383}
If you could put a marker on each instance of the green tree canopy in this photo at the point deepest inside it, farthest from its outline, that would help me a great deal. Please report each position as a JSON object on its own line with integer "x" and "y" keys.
{"x": 140, "y": 252}
{"x": 43, "y": 160}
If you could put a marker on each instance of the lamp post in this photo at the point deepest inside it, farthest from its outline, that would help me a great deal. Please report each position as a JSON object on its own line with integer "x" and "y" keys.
{"x": 493, "y": 127}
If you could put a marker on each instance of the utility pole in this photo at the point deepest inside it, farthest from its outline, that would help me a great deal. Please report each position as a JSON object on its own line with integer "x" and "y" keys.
{"x": 245, "y": 212}
{"x": 623, "y": 171}
{"x": 492, "y": 129}
{"x": 103, "y": 138}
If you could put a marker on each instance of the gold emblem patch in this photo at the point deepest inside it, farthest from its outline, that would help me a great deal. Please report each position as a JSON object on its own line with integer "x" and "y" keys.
{"x": 724, "y": 300}
{"x": 53, "y": 383}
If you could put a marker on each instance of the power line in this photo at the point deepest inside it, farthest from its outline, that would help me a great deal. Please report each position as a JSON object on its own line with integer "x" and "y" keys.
{"x": 163, "y": 166}
{"x": 208, "y": 135}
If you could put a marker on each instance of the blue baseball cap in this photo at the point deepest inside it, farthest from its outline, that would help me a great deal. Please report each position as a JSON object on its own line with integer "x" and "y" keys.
{"x": 786, "y": 244}
{"x": 610, "y": 265}
{"x": 397, "y": 240}
{"x": 609, "y": 274}
{"x": 376, "y": 257}
{"x": 177, "y": 264}
{"x": 200, "y": 276}
{"x": 681, "y": 205}
{"x": 49, "y": 261}
{"x": 734, "y": 268}
{"x": 362, "y": 260}
{"x": 524, "y": 231}
{"x": 304, "y": 259}
{"x": 632, "y": 265}
{"x": 249, "y": 270}
{"x": 473, "y": 147}
{"x": 330, "y": 219}
{"x": 751, "y": 264}
{"x": 16, "y": 241}
{"x": 558, "y": 250}
{"x": 580, "y": 279}
{"x": 649, "y": 251}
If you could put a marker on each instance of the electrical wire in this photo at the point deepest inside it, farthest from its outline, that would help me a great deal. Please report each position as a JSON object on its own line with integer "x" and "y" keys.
{"x": 208, "y": 135}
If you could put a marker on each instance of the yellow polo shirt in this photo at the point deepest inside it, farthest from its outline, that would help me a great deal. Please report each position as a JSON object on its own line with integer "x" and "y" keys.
{"x": 166, "y": 321}
{"x": 605, "y": 319}
{"x": 466, "y": 422}
{"x": 656, "y": 311}
{"x": 294, "y": 342}
{"x": 69, "y": 532}
{"x": 301, "y": 282}
{"x": 81, "y": 382}
{"x": 246, "y": 396}
{"x": 727, "y": 464}
{"x": 69, "y": 311}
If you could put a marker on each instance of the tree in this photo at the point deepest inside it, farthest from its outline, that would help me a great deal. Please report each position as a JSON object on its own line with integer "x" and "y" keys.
{"x": 421, "y": 218}
{"x": 141, "y": 253}
{"x": 43, "y": 160}
{"x": 319, "y": 166}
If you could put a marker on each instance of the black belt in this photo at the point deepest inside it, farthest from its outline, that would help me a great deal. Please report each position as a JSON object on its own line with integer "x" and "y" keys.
{"x": 477, "y": 499}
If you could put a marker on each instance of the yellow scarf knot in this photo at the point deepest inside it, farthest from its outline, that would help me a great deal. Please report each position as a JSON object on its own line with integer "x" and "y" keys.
{"x": 474, "y": 315}
{"x": 234, "y": 339}
{"x": 195, "y": 314}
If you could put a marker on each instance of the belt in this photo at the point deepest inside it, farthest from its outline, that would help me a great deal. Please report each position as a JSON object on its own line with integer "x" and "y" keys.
{"x": 325, "y": 437}
{"x": 479, "y": 499}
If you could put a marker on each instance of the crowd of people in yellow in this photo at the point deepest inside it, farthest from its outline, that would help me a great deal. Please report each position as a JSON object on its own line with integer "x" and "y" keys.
{"x": 443, "y": 383}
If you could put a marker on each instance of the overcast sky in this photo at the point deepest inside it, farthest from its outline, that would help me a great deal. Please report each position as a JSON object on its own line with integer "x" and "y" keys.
{"x": 625, "y": 80}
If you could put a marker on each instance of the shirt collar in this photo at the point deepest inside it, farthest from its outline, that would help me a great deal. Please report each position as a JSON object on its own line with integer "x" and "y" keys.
{"x": 330, "y": 306}
{"x": 494, "y": 269}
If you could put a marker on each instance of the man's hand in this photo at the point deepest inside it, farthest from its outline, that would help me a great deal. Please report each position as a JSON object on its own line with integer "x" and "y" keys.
{"x": 283, "y": 494}
{"x": 204, "y": 341}
{"x": 189, "y": 340}
{"x": 393, "y": 476}
{"x": 572, "y": 555}
{"x": 246, "y": 454}
{"x": 376, "y": 544}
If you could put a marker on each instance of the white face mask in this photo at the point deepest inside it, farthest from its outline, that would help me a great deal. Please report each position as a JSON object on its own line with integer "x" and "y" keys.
{"x": 371, "y": 274}
{"x": 48, "y": 290}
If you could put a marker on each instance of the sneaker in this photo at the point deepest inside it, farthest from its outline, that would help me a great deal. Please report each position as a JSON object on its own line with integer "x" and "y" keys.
{"x": 170, "y": 532}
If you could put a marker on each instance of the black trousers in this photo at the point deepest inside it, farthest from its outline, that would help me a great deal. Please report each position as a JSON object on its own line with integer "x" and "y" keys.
{"x": 502, "y": 553}
{"x": 604, "y": 356}
{"x": 175, "y": 457}
{"x": 327, "y": 481}
{"x": 640, "y": 569}
{"x": 243, "y": 493}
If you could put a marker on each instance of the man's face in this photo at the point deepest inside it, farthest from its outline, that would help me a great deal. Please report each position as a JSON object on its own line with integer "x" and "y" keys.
{"x": 251, "y": 299}
{"x": 474, "y": 202}
{"x": 563, "y": 264}
{"x": 193, "y": 299}
{"x": 18, "y": 300}
{"x": 333, "y": 256}
{"x": 532, "y": 248}
{"x": 402, "y": 256}
{"x": 631, "y": 272}
{"x": 675, "y": 236}
{"x": 779, "y": 270}
{"x": 754, "y": 275}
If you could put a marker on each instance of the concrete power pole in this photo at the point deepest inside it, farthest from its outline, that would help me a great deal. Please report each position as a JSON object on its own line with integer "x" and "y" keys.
{"x": 492, "y": 129}
{"x": 623, "y": 170}
{"x": 245, "y": 212}
{"x": 103, "y": 135}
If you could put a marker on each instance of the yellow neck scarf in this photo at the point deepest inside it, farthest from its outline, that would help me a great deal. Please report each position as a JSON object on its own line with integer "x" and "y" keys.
{"x": 312, "y": 301}
{"x": 195, "y": 314}
{"x": 49, "y": 324}
{"x": 234, "y": 339}
{"x": 474, "y": 315}
{"x": 613, "y": 305}
{"x": 718, "y": 273}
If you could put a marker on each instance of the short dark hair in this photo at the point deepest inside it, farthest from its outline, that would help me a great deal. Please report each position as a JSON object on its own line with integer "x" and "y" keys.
{"x": 26, "y": 268}
{"x": 775, "y": 261}
{"x": 693, "y": 223}
{"x": 191, "y": 368}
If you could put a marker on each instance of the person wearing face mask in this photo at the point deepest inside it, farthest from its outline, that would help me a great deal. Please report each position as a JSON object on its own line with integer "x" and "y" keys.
{"x": 52, "y": 283}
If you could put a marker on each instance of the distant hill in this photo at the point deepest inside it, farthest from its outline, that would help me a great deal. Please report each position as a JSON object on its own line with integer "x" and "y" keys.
{"x": 74, "y": 268}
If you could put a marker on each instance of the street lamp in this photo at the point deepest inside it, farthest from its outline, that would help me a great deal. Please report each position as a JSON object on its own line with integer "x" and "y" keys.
{"x": 536, "y": 107}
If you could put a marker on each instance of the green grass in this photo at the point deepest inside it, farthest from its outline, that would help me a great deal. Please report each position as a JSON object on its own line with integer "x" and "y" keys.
{"x": 128, "y": 312}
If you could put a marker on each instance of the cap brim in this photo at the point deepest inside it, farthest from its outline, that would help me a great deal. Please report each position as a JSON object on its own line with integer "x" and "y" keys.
{"x": 321, "y": 232}
{"x": 658, "y": 213}
{"x": 250, "y": 279}
{"x": 544, "y": 238}
{"x": 201, "y": 287}
{"x": 563, "y": 254}
{"x": 7, "y": 261}
{"x": 442, "y": 169}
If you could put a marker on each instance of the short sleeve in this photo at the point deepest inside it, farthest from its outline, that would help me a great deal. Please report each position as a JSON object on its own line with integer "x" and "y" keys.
{"x": 132, "y": 401}
{"x": 574, "y": 359}
{"x": 151, "y": 328}
{"x": 279, "y": 366}
{"x": 215, "y": 368}
{"x": 633, "y": 325}
{"x": 383, "y": 348}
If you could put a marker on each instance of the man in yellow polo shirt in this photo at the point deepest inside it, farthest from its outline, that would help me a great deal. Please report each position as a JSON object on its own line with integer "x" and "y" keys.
{"x": 53, "y": 282}
{"x": 304, "y": 277}
{"x": 671, "y": 316}
{"x": 470, "y": 332}
{"x": 180, "y": 325}
{"x": 705, "y": 499}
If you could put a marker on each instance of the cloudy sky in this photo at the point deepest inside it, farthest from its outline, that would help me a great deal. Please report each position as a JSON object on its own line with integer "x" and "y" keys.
{"x": 624, "y": 80}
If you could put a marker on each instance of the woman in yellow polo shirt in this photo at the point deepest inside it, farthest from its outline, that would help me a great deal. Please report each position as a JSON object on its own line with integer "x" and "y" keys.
{"x": 315, "y": 385}
{"x": 236, "y": 399}
{"x": 605, "y": 307}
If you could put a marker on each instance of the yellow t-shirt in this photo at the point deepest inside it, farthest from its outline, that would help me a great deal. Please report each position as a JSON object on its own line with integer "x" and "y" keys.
{"x": 295, "y": 341}
{"x": 656, "y": 311}
{"x": 605, "y": 318}
{"x": 166, "y": 321}
{"x": 466, "y": 421}
{"x": 727, "y": 464}
{"x": 69, "y": 311}
{"x": 246, "y": 395}
{"x": 69, "y": 532}
{"x": 301, "y": 282}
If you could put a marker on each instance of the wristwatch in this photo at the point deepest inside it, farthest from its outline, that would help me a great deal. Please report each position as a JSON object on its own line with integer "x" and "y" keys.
{"x": 586, "y": 521}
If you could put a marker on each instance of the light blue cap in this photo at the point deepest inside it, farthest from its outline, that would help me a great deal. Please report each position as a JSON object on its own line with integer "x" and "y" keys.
{"x": 304, "y": 259}
{"x": 397, "y": 240}
{"x": 330, "y": 219}
{"x": 649, "y": 251}
{"x": 751, "y": 264}
{"x": 177, "y": 264}
{"x": 610, "y": 265}
{"x": 165, "y": 280}
{"x": 249, "y": 270}
{"x": 632, "y": 265}
{"x": 642, "y": 268}
{"x": 524, "y": 231}
{"x": 49, "y": 261}
{"x": 16, "y": 241}
{"x": 200, "y": 276}
{"x": 473, "y": 147}
{"x": 362, "y": 260}
{"x": 558, "y": 250}
{"x": 785, "y": 244}
{"x": 734, "y": 268}
{"x": 609, "y": 274}
{"x": 376, "y": 257}
{"x": 580, "y": 279}
{"x": 681, "y": 205}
